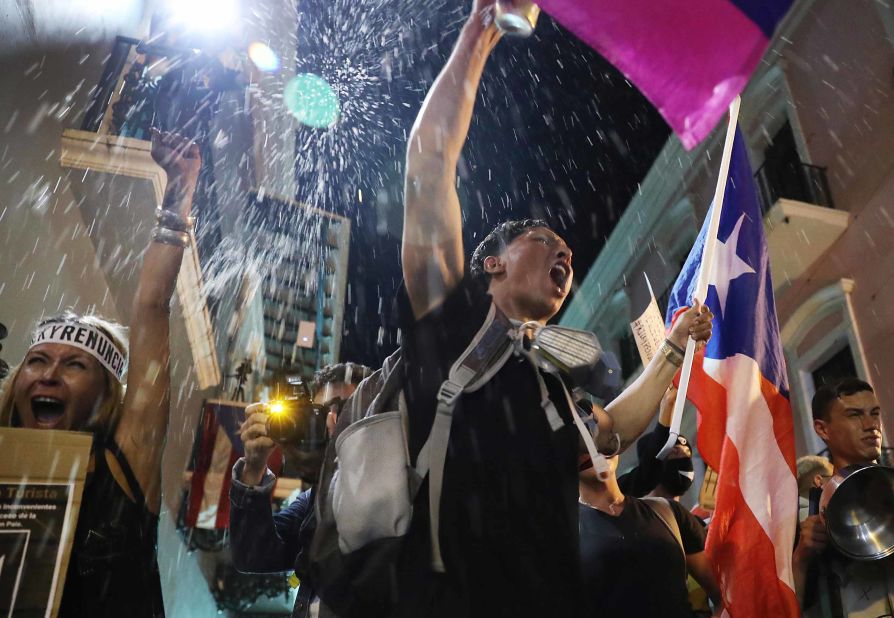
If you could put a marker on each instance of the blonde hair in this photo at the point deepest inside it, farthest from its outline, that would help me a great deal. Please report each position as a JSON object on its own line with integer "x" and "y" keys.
{"x": 107, "y": 414}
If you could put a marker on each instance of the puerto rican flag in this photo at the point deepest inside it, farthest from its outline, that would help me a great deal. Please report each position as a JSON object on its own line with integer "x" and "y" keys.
{"x": 745, "y": 427}
{"x": 690, "y": 58}
{"x": 217, "y": 448}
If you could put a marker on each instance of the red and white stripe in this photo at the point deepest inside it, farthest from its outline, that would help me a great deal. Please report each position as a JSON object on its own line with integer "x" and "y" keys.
{"x": 746, "y": 433}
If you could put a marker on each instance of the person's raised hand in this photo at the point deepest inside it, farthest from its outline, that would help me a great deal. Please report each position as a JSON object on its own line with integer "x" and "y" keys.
{"x": 181, "y": 160}
{"x": 483, "y": 13}
{"x": 695, "y": 322}
{"x": 257, "y": 444}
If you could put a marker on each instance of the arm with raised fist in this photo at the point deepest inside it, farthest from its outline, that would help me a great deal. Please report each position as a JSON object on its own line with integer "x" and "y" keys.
{"x": 257, "y": 445}
{"x": 432, "y": 249}
{"x": 140, "y": 433}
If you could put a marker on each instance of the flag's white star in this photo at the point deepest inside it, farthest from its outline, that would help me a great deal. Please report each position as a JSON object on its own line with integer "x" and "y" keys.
{"x": 727, "y": 265}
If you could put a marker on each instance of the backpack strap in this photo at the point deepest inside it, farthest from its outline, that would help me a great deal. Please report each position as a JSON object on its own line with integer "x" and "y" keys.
{"x": 600, "y": 464}
{"x": 392, "y": 376}
{"x": 662, "y": 508}
{"x": 598, "y": 459}
{"x": 488, "y": 351}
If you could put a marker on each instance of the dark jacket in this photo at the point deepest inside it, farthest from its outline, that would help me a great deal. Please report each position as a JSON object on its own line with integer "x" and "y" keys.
{"x": 265, "y": 542}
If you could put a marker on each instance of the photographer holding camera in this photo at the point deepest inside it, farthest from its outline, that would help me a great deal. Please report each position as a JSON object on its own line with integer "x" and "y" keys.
{"x": 267, "y": 542}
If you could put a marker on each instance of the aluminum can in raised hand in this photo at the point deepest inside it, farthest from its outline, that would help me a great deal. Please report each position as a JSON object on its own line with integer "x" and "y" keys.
{"x": 516, "y": 17}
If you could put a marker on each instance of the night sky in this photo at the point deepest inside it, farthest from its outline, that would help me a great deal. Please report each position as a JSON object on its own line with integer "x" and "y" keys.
{"x": 558, "y": 133}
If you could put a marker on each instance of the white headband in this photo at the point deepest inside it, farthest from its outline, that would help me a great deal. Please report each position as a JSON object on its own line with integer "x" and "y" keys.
{"x": 87, "y": 338}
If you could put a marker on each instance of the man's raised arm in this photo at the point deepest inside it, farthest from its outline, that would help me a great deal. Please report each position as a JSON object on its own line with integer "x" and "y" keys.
{"x": 632, "y": 411}
{"x": 432, "y": 250}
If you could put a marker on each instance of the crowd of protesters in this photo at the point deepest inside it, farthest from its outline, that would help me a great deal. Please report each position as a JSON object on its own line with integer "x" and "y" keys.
{"x": 505, "y": 499}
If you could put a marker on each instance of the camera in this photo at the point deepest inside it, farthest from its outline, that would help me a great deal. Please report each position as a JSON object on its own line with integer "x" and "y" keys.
{"x": 296, "y": 420}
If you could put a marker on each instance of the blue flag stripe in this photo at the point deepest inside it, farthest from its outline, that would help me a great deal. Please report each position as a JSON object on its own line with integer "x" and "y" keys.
{"x": 765, "y": 13}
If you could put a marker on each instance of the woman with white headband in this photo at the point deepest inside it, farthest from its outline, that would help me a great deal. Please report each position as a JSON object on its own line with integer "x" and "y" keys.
{"x": 77, "y": 375}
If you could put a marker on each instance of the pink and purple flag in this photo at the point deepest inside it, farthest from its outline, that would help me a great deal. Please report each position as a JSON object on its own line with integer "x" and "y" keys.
{"x": 690, "y": 58}
{"x": 745, "y": 426}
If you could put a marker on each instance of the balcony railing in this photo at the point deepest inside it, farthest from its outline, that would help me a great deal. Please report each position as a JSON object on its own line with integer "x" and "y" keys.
{"x": 792, "y": 180}
{"x": 123, "y": 102}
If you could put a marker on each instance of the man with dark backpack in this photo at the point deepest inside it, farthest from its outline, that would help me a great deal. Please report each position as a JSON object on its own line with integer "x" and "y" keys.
{"x": 471, "y": 411}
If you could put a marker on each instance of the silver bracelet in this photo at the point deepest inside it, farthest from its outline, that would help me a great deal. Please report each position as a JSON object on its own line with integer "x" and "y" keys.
{"x": 173, "y": 221}
{"x": 167, "y": 236}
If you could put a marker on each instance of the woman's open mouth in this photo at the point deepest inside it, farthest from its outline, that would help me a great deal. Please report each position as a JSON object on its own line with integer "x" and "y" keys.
{"x": 48, "y": 411}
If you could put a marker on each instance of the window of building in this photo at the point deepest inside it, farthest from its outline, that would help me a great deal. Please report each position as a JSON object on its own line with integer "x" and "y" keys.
{"x": 822, "y": 345}
{"x": 784, "y": 176}
{"x": 841, "y": 365}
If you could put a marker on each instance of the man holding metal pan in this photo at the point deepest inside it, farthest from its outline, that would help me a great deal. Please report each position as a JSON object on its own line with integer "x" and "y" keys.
{"x": 842, "y": 564}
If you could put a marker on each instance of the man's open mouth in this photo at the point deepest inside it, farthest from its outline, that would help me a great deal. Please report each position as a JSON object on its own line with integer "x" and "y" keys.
{"x": 584, "y": 462}
{"x": 47, "y": 411}
{"x": 559, "y": 273}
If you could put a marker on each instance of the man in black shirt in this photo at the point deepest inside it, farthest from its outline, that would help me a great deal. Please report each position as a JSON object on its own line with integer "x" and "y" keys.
{"x": 508, "y": 530}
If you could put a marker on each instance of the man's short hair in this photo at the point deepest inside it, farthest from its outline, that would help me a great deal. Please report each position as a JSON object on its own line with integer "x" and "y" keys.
{"x": 808, "y": 467}
{"x": 497, "y": 241}
{"x": 351, "y": 373}
{"x": 826, "y": 395}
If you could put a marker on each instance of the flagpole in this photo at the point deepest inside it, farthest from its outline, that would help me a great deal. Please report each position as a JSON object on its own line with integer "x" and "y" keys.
{"x": 704, "y": 274}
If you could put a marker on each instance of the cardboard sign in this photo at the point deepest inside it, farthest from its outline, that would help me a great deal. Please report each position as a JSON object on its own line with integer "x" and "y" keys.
{"x": 648, "y": 329}
{"x": 41, "y": 482}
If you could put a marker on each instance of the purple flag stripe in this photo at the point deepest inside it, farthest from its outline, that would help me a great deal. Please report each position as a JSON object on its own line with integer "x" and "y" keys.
{"x": 690, "y": 58}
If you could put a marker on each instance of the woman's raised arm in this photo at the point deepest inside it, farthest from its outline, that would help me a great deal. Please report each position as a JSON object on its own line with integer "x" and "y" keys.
{"x": 144, "y": 421}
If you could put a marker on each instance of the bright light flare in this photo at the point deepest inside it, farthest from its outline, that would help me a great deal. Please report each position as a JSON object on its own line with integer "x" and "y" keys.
{"x": 205, "y": 16}
{"x": 275, "y": 407}
{"x": 264, "y": 58}
{"x": 312, "y": 100}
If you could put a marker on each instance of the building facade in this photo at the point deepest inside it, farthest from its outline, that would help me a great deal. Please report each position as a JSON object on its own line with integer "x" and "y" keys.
{"x": 818, "y": 117}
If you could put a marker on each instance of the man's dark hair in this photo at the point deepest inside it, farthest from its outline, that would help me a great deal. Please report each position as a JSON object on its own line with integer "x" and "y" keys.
{"x": 339, "y": 373}
{"x": 826, "y": 395}
{"x": 497, "y": 241}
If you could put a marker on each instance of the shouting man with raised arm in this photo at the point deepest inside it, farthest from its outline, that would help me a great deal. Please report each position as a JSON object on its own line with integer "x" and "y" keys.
{"x": 508, "y": 530}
